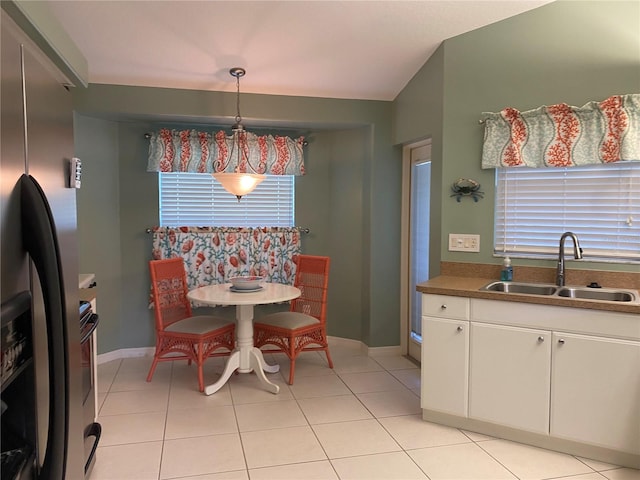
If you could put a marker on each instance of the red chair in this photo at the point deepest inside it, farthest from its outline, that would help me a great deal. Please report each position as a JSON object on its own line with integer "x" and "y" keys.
{"x": 302, "y": 328}
{"x": 179, "y": 335}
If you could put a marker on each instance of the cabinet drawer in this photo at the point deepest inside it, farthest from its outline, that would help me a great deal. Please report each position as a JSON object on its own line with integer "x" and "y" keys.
{"x": 444, "y": 306}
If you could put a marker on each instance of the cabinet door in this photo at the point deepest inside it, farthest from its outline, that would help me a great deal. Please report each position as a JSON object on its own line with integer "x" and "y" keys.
{"x": 595, "y": 394}
{"x": 445, "y": 360}
{"x": 510, "y": 376}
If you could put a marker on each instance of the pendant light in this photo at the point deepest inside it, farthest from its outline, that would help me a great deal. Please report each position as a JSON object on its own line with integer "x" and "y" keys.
{"x": 239, "y": 183}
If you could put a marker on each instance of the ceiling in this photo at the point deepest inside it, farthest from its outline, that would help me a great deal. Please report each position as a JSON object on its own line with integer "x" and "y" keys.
{"x": 334, "y": 49}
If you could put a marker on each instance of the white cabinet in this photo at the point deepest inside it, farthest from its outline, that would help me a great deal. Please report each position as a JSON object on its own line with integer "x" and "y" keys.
{"x": 556, "y": 377}
{"x": 510, "y": 374}
{"x": 595, "y": 394}
{"x": 445, "y": 365}
{"x": 445, "y": 354}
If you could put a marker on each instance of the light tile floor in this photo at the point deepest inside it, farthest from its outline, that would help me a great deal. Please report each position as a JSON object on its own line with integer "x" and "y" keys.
{"x": 360, "y": 420}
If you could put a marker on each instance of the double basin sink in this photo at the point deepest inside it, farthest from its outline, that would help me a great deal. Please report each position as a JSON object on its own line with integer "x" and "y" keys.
{"x": 582, "y": 293}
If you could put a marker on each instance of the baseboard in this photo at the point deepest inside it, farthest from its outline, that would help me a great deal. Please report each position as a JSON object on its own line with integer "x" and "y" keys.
{"x": 383, "y": 351}
{"x": 344, "y": 342}
{"x": 125, "y": 353}
{"x": 337, "y": 341}
{"x": 364, "y": 349}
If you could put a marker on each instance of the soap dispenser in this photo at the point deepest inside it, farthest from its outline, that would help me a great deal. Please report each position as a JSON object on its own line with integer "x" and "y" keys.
{"x": 506, "y": 274}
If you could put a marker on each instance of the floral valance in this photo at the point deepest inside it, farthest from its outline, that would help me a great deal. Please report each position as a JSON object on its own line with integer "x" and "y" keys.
{"x": 564, "y": 136}
{"x": 204, "y": 152}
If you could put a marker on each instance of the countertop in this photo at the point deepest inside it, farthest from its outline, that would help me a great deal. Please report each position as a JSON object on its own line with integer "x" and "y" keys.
{"x": 88, "y": 290}
{"x": 470, "y": 287}
{"x": 85, "y": 280}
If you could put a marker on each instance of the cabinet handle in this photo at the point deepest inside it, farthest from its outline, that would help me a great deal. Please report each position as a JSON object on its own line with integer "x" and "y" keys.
{"x": 443, "y": 306}
{"x": 540, "y": 339}
{"x": 561, "y": 341}
{"x": 459, "y": 328}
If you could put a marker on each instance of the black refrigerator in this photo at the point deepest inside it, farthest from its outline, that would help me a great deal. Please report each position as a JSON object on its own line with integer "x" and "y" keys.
{"x": 41, "y": 356}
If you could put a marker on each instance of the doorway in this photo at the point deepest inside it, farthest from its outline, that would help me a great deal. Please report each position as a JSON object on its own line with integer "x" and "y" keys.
{"x": 417, "y": 169}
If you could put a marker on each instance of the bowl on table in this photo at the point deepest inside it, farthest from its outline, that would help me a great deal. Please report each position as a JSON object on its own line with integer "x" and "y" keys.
{"x": 249, "y": 282}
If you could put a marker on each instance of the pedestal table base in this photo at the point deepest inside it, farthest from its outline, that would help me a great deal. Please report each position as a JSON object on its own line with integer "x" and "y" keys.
{"x": 245, "y": 358}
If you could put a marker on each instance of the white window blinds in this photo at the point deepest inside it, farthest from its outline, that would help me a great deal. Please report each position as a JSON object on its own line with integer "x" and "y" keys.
{"x": 197, "y": 200}
{"x": 600, "y": 204}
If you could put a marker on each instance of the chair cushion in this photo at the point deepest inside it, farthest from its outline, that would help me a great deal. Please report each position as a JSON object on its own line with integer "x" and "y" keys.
{"x": 198, "y": 325}
{"x": 290, "y": 320}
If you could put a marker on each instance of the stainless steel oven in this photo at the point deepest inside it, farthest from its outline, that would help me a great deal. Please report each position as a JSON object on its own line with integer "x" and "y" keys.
{"x": 92, "y": 430}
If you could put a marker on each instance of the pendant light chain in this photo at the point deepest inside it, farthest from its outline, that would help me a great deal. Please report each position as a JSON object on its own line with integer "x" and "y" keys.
{"x": 238, "y": 117}
{"x": 239, "y": 131}
{"x": 239, "y": 183}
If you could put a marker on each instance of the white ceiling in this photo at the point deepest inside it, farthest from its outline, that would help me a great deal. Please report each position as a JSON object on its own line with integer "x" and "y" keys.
{"x": 336, "y": 49}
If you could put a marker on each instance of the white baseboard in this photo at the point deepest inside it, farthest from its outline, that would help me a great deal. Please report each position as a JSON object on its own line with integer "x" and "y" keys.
{"x": 125, "y": 353}
{"x": 344, "y": 342}
{"x": 364, "y": 349}
{"x": 337, "y": 341}
{"x": 383, "y": 351}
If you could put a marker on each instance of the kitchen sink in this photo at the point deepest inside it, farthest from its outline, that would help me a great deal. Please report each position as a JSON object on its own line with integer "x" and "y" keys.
{"x": 516, "y": 287}
{"x": 582, "y": 293}
{"x": 608, "y": 295}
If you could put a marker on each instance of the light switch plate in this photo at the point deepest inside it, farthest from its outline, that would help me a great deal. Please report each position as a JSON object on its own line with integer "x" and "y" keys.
{"x": 462, "y": 242}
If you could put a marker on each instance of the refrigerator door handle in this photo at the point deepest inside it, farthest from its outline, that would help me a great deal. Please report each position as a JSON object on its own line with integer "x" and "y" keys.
{"x": 41, "y": 242}
{"x": 92, "y": 430}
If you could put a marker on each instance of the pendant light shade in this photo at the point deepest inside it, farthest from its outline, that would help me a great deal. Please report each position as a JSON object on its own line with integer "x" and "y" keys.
{"x": 239, "y": 183}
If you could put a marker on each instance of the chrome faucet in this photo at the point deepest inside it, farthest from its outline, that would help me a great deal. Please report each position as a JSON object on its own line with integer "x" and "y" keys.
{"x": 577, "y": 254}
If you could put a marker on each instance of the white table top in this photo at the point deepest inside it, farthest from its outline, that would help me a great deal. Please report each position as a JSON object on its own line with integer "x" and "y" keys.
{"x": 220, "y": 294}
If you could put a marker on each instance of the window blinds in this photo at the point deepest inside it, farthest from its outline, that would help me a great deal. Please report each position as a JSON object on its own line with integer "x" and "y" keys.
{"x": 195, "y": 199}
{"x": 600, "y": 204}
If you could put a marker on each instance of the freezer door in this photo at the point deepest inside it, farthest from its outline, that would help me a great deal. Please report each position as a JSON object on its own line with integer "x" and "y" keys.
{"x": 13, "y": 273}
{"x": 37, "y": 138}
{"x": 49, "y": 125}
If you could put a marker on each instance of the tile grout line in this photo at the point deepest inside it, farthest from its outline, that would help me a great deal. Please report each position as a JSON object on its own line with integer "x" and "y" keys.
{"x": 235, "y": 414}
{"x": 312, "y": 431}
{"x": 389, "y": 433}
{"x": 379, "y": 423}
{"x": 166, "y": 420}
{"x": 122, "y": 369}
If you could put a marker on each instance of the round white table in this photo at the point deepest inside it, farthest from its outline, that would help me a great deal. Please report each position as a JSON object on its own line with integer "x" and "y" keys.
{"x": 245, "y": 358}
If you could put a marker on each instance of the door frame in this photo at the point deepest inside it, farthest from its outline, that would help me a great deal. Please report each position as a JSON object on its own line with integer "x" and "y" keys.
{"x": 405, "y": 218}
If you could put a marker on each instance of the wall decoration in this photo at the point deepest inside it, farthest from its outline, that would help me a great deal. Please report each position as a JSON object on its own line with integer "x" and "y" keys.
{"x": 465, "y": 187}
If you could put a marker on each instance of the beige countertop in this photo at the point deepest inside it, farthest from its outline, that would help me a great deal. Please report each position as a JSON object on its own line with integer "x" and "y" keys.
{"x": 86, "y": 283}
{"x": 459, "y": 286}
{"x": 88, "y": 294}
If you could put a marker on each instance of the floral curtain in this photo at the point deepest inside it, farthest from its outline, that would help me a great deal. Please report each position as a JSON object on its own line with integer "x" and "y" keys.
{"x": 564, "y": 136}
{"x": 214, "y": 254}
{"x": 203, "y": 152}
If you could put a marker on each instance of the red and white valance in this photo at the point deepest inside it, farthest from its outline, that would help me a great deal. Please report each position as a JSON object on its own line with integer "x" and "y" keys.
{"x": 204, "y": 152}
{"x": 564, "y": 136}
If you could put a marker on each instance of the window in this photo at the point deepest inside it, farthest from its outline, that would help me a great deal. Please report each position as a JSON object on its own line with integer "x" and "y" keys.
{"x": 599, "y": 203}
{"x": 197, "y": 200}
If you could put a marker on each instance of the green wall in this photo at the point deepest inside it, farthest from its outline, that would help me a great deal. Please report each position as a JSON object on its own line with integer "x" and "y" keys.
{"x": 572, "y": 52}
{"x": 96, "y": 143}
{"x": 418, "y": 115}
{"x": 349, "y": 156}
